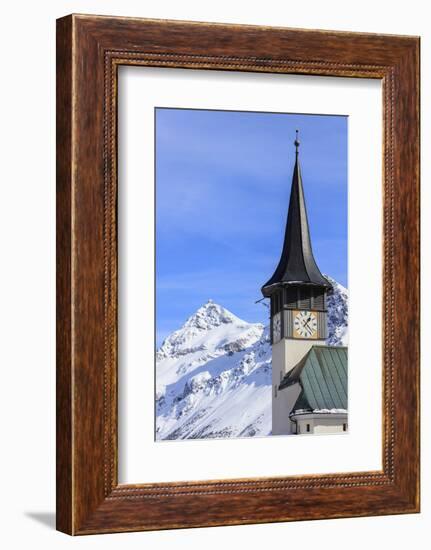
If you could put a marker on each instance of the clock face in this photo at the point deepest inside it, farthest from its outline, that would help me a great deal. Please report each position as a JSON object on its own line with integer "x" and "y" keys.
{"x": 305, "y": 324}
{"x": 276, "y": 327}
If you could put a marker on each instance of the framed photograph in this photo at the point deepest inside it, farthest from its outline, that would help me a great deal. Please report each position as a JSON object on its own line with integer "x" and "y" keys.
{"x": 237, "y": 274}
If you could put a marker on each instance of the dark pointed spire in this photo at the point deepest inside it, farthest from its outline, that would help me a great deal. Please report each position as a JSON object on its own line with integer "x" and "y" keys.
{"x": 297, "y": 263}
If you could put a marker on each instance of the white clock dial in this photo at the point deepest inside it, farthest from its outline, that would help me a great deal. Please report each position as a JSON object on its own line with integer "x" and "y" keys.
{"x": 276, "y": 327}
{"x": 305, "y": 324}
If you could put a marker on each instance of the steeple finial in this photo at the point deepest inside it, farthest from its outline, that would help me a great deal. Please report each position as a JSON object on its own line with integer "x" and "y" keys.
{"x": 297, "y": 142}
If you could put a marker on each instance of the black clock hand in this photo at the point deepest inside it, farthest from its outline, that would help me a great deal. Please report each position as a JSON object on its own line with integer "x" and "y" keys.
{"x": 307, "y": 321}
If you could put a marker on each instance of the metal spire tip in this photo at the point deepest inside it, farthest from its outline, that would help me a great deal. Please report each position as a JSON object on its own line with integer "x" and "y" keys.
{"x": 297, "y": 142}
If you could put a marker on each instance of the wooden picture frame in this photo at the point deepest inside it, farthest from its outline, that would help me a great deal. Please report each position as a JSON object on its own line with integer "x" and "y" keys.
{"x": 89, "y": 51}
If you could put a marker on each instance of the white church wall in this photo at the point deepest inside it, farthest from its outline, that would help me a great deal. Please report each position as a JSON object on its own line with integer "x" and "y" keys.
{"x": 282, "y": 406}
{"x": 321, "y": 423}
{"x": 285, "y": 355}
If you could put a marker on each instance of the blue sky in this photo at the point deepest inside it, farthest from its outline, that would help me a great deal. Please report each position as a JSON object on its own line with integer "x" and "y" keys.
{"x": 222, "y": 189}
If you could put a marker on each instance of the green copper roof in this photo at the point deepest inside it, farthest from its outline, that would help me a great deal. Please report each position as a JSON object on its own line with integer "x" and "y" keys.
{"x": 322, "y": 374}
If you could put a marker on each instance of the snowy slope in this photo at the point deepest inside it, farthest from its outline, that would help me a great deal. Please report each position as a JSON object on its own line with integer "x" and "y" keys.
{"x": 213, "y": 375}
{"x": 338, "y": 310}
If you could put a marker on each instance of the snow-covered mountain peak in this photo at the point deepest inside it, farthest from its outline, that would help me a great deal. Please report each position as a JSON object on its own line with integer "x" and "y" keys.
{"x": 211, "y": 315}
{"x": 336, "y": 286}
{"x": 211, "y": 329}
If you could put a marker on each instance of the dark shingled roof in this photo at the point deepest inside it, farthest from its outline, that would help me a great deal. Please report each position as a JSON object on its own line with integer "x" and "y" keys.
{"x": 322, "y": 375}
{"x": 297, "y": 263}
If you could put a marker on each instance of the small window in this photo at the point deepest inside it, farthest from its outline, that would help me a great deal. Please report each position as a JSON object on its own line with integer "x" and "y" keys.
{"x": 277, "y": 302}
{"x": 291, "y": 297}
{"x": 318, "y": 299}
{"x": 275, "y": 390}
{"x": 304, "y": 298}
{"x": 344, "y": 427}
{"x": 308, "y": 427}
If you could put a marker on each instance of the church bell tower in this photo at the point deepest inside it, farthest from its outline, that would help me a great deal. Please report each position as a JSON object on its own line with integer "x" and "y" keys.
{"x": 297, "y": 292}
